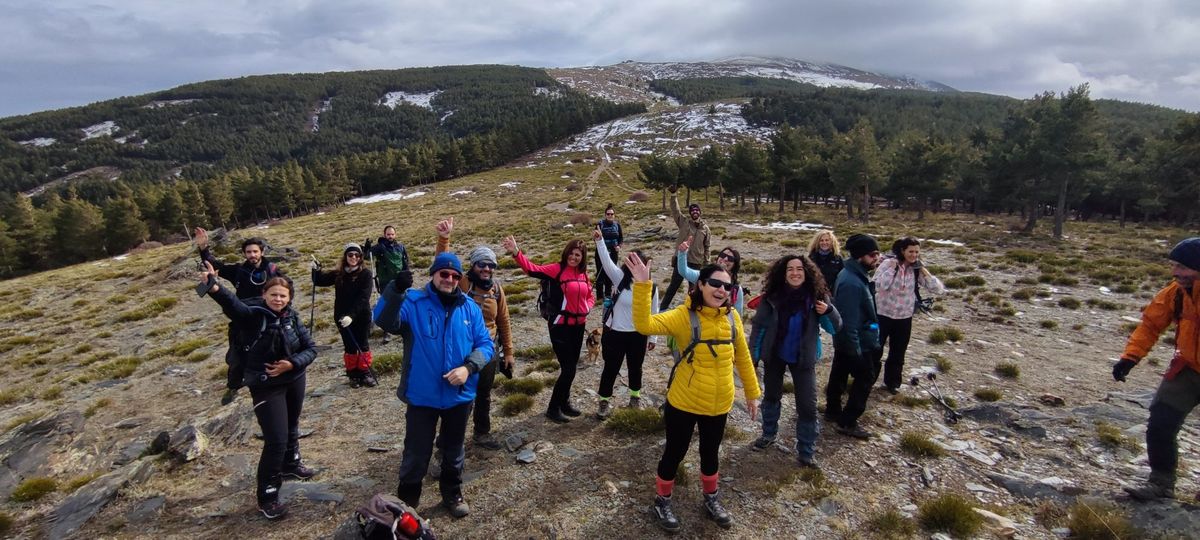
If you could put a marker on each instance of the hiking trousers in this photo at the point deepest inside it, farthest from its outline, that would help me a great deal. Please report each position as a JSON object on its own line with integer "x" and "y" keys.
{"x": 896, "y": 333}
{"x": 567, "y": 341}
{"x": 1174, "y": 400}
{"x": 420, "y": 431}
{"x": 680, "y": 426}
{"x": 618, "y": 346}
{"x": 277, "y": 408}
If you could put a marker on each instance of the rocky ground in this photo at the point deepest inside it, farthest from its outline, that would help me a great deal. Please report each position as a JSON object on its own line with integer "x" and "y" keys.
{"x": 88, "y": 387}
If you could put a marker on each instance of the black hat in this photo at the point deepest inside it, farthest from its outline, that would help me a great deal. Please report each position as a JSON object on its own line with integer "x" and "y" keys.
{"x": 861, "y": 244}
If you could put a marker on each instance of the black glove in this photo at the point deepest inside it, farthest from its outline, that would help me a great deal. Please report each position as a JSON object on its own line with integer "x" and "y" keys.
{"x": 1121, "y": 369}
{"x": 403, "y": 281}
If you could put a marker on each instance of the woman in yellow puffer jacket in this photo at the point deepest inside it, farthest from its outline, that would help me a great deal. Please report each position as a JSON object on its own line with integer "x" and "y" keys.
{"x": 700, "y": 394}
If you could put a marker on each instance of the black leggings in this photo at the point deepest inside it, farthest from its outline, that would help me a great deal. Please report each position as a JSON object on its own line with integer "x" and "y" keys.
{"x": 680, "y": 425}
{"x": 277, "y": 408}
{"x": 567, "y": 341}
{"x": 896, "y": 333}
{"x": 618, "y": 346}
{"x": 354, "y": 337}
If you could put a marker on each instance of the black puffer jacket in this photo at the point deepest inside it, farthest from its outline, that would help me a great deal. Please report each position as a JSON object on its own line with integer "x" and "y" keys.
{"x": 266, "y": 336}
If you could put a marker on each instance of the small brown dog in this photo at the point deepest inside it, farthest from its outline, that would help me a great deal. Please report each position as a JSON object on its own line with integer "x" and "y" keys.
{"x": 593, "y": 345}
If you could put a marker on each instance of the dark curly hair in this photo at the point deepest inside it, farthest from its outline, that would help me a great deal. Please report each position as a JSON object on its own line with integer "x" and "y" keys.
{"x": 696, "y": 295}
{"x": 814, "y": 282}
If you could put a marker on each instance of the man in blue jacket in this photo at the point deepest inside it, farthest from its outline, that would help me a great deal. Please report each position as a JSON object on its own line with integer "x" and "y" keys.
{"x": 446, "y": 344}
{"x": 854, "y": 346}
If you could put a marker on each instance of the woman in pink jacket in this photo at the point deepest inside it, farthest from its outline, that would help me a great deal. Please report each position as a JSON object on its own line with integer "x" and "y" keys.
{"x": 568, "y": 320}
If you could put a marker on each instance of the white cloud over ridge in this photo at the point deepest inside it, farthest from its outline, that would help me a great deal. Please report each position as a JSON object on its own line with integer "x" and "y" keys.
{"x": 71, "y": 52}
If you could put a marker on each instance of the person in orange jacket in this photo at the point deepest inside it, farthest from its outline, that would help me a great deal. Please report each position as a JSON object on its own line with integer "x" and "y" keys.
{"x": 1179, "y": 391}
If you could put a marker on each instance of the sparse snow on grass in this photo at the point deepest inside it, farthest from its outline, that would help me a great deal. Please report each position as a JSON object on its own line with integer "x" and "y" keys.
{"x": 106, "y": 128}
{"x": 389, "y": 196}
{"x": 781, "y": 226}
{"x": 392, "y": 99}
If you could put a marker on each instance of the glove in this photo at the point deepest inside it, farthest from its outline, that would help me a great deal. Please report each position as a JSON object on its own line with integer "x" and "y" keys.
{"x": 1121, "y": 369}
{"x": 345, "y": 321}
{"x": 404, "y": 280}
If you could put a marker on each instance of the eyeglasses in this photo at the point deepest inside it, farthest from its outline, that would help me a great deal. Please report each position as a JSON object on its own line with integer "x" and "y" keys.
{"x": 452, "y": 276}
{"x": 488, "y": 265}
{"x": 713, "y": 282}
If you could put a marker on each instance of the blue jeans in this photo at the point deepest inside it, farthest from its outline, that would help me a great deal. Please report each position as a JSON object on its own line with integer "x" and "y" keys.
{"x": 419, "y": 429}
{"x": 805, "y": 380}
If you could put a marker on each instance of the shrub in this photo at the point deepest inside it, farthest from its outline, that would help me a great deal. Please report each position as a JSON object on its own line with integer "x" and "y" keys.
{"x": 635, "y": 421}
{"x": 33, "y": 489}
{"x": 1008, "y": 370}
{"x": 1048, "y": 324}
{"x": 1112, "y": 437}
{"x": 891, "y": 524}
{"x": 100, "y": 404}
{"x": 539, "y": 352}
{"x": 524, "y": 385}
{"x": 918, "y": 445}
{"x": 988, "y": 394}
{"x": 1096, "y": 519}
{"x": 949, "y": 513}
{"x": 515, "y": 404}
{"x": 387, "y": 364}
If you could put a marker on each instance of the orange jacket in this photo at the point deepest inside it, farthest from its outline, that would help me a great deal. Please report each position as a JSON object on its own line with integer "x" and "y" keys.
{"x": 1157, "y": 316}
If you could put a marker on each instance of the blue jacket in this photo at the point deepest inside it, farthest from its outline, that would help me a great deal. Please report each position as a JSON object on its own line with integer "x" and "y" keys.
{"x": 437, "y": 339}
{"x": 855, "y": 301}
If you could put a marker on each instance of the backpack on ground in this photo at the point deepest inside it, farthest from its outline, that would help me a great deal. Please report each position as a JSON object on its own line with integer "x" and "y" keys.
{"x": 386, "y": 517}
{"x": 689, "y": 352}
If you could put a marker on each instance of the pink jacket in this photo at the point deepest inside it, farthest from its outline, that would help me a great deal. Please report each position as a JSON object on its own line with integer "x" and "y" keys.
{"x": 895, "y": 289}
{"x": 576, "y": 287}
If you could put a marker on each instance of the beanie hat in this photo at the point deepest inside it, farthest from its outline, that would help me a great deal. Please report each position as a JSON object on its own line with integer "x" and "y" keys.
{"x": 861, "y": 244}
{"x": 1187, "y": 253}
{"x": 482, "y": 254}
{"x": 352, "y": 247}
{"x": 446, "y": 260}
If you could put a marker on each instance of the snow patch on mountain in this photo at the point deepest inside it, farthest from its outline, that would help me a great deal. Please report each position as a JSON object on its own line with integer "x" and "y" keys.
{"x": 392, "y": 99}
{"x": 103, "y": 129}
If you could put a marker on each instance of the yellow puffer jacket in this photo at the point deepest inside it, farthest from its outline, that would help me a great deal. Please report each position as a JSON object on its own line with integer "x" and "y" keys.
{"x": 705, "y": 385}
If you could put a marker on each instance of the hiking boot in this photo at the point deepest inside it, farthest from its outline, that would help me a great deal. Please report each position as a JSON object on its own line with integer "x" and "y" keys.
{"x": 229, "y": 395}
{"x": 457, "y": 506}
{"x": 635, "y": 402}
{"x": 716, "y": 512}
{"x": 762, "y": 443}
{"x": 1150, "y": 491}
{"x": 855, "y": 431}
{"x": 664, "y": 515}
{"x": 487, "y": 441}
{"x": 367, "y": 379}
{"x": 557, "y": 417}
{"x": 297, "y": 472}
{"x": 273, "y": 510}
{"x": 568, "y": 410}
{"x": 605, "y": 409}
{"x": 807, "y": 462}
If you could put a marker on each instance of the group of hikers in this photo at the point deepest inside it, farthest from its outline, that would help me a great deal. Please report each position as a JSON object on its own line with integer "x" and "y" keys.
{"x": 456, "y": 335}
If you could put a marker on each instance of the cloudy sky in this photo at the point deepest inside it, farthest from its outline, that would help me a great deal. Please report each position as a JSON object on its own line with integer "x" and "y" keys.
{"x": 71, "y": 52}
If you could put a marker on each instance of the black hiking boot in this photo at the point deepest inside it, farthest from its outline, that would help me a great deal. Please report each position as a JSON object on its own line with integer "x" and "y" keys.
{"x": 855, "y": 431}
{"x": 663, "y": 515}
{"x": 716, "y": 512}
{"x": 297, "y": 472}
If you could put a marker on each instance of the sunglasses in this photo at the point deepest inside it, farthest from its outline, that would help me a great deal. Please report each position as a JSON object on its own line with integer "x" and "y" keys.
{"x": 488, "y": 265}
{"x": 452, "y": 276}
{"x": 714, "y": 282}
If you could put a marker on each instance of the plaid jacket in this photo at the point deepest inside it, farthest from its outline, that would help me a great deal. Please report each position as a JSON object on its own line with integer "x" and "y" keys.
{"x": 895, "y": 290}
